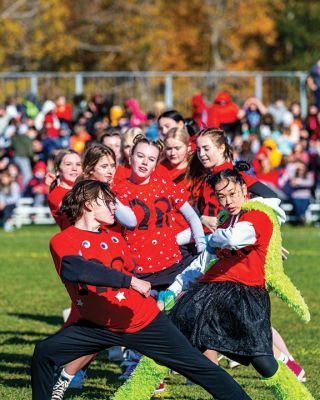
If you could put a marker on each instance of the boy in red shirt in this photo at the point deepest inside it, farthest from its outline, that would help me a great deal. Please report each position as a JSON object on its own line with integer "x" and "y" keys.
{"x": 115, "y": 306}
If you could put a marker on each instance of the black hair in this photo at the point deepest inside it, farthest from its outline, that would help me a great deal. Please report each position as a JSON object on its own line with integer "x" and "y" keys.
{"x": 191, "y": 126}
{"x": 172, "y": 114}
{"x": 231, "y": 175}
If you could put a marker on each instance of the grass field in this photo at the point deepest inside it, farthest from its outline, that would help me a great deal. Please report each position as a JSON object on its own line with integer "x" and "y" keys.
{"x": 32, "y": 298}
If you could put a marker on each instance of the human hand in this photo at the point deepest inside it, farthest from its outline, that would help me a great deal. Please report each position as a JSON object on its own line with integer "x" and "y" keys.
{"x": 49, "y": 178}
{"x": 141, "y": 286}
{"x": 210, "y": 222}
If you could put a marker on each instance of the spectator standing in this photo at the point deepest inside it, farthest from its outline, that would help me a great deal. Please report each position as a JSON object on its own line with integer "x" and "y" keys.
{"x": 313, "y": 82}
{"x": 9, "y": 195}
{"x": 23, "y": 152}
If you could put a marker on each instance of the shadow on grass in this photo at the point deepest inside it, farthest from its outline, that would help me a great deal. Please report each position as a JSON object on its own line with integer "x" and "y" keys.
{"x": 48, "y": 319}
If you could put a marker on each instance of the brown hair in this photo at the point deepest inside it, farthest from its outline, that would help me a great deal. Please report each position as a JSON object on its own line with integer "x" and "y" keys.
{"x": 158, "y": 144}
{"x": 57, "y": 162}
{"x": 91, "y": 158}
{"x": 196, "y": 171}
{"x": 85, "y": 191}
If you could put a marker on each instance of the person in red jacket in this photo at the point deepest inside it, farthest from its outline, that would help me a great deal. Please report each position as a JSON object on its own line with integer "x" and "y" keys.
{"x": 115, "y": 306}
{"x": 224, "y": 113}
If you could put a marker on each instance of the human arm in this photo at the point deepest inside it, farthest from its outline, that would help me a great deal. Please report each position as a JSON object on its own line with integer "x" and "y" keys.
{"x": 261, "y": 190}
{"x": 125, "y": 216}
{"x": 195, "y": 224}
{"x": 235, "y": 237}
{"x": 77, "y": 269}
{"x": 197, "y": 268}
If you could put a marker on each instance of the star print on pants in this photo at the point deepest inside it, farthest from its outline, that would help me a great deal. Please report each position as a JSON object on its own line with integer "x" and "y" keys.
{"x": 79, "y": 303}
{"x": 120, "y": 296}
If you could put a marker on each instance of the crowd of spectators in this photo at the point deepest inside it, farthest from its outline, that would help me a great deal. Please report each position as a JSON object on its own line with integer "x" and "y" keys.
{"x": 282, "y": 147}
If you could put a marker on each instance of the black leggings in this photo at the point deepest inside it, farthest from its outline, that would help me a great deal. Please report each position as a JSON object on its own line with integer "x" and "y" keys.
{"x": 266, "y": 365}
{"x": 160, "y": 340}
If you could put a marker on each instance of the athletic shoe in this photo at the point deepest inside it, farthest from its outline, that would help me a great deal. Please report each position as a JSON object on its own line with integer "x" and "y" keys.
{"x": 115, "y": 354}
{"x": 127, "y": 373}
{"x": 130, "y": 356}
{"x": 233, "y": 364}
{"x": 161, "y": 388}
{"x": 60, "y": 388}
{"x": 78, "y": 379}
{"x": 296, "y": 369}
{"x": 65, "y": 314}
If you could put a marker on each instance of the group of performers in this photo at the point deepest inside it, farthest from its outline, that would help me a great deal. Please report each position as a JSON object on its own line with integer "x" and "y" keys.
{"x": 178, "y": 220}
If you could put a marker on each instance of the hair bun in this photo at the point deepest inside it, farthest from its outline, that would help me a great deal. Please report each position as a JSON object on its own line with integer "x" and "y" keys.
{"x": 242, "y": 165}
{"x": 138, "y": 138}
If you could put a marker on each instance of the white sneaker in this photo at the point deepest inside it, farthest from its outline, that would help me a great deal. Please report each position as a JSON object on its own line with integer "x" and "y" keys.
{"x": 233, "y": 364}
{"x": 60, "y": 388}
{"x": 78, "y": 380}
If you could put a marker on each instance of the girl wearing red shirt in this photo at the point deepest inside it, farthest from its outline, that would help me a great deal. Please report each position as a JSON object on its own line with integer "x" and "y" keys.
{"x": 124, "y": 169}
{"x": 229, "y": 309}
{"x": 67, "y": 166}
{"x": 153, "y": 242}
{"x": 214, "y": 154}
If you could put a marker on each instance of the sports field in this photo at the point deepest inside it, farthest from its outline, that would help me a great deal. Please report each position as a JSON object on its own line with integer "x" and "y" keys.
{"x": 32, "y": 298}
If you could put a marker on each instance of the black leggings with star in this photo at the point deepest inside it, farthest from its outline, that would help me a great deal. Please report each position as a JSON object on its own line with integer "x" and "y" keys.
{"x": 160, "y": 340}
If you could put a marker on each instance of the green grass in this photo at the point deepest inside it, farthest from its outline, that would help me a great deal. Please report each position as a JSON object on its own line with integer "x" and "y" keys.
{"x": 32, "y": 298}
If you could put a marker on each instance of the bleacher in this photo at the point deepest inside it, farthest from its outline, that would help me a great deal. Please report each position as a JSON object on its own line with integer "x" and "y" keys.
{"x": 26, "y": 213}
{"x": 312, "y": 213}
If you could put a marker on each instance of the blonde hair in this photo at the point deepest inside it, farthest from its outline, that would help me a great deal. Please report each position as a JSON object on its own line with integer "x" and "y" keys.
{"x": 178, "y": 133}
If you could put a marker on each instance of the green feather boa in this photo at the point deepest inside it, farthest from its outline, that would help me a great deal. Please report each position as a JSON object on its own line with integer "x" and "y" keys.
{"x": 143, "y": 381}
{"x": 276, "y": 279}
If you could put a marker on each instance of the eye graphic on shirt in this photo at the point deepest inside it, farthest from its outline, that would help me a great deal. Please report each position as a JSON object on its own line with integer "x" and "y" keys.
{"x": 139, "y": 269}
{"x": 154, "y": 242}
{"x": 86, "y": 244}
{"x": 114, "y": 239}
{"x": 103, "y": 245}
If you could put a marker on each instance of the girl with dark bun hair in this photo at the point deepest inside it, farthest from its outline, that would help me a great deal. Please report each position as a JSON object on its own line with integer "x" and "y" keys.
{"x": 228, "y": 310}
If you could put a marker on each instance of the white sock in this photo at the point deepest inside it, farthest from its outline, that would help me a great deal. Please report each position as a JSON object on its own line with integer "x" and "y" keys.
{"x": 283, "y": 358}
{"x": 65, "y": 375}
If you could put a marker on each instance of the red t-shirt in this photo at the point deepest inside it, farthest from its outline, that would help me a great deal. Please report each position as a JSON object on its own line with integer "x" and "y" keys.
{"x": 119, "y": 310}
{"x": 122, "y": 172}
{"x": 54, "y": 201}
{"x": 246, "y": 265}
{"x": 178, "y": 177}
{"x": 153, "y": 243}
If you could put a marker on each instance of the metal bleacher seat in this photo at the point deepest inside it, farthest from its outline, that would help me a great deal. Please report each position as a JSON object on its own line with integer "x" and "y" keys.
{"x": 26, "y": 213}
{"x": 312, "y": 213}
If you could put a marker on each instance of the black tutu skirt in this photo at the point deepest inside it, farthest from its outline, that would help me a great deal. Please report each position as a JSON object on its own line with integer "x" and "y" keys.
{"x": 229, "y": 317}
